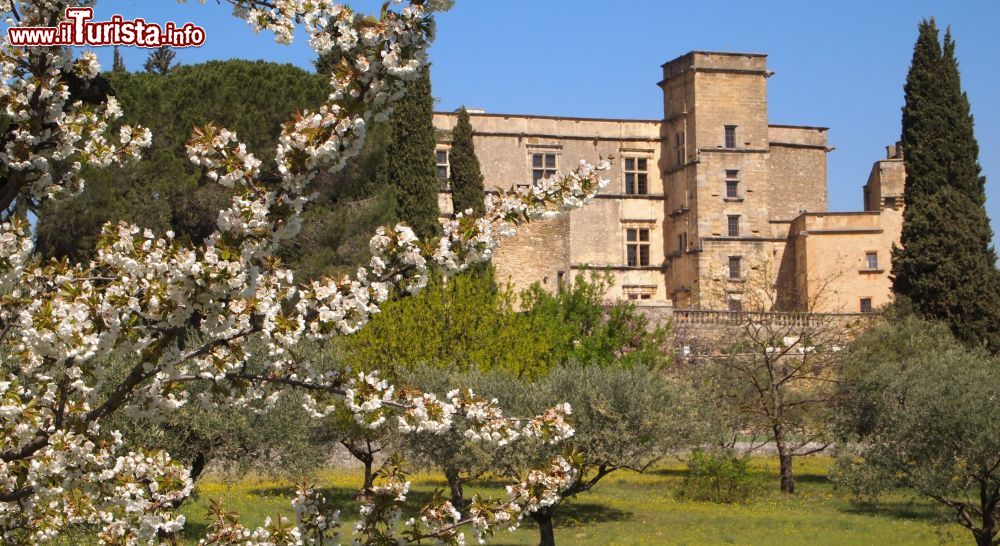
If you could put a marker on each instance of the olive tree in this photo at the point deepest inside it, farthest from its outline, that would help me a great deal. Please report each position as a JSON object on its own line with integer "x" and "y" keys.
{"x": 625, "y": 419}
{"x": 920, "y": 410}
{"x": 771, "y": 373}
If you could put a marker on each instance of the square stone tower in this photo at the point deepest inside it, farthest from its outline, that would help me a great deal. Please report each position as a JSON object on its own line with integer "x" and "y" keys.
{"x": 733, "y": 182}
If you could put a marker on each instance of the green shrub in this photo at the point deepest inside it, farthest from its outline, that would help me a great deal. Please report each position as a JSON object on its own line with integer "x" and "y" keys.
{"x": 721, "y": 476}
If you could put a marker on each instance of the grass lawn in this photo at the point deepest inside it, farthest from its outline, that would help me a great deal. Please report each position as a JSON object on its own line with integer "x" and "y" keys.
{"x": 629, "y": 508}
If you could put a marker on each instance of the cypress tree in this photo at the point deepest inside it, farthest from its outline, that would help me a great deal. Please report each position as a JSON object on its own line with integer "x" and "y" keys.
{"x": 160, "y": 61}
{"x": 411, "y": 166}
{"x": 946, "y": 266}
{"x": 466, "y": 178}
{"x": 118, "y": 66}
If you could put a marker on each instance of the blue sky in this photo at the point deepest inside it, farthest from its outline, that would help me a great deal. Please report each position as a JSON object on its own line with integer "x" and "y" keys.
{"x": 838, "y": 64}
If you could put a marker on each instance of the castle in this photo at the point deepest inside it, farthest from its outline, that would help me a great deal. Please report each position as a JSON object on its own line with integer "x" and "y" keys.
{"x": 699, "y": 202}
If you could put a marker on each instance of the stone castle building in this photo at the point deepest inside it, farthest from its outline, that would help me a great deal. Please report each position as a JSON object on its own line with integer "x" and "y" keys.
{"x": 700, "y": 202}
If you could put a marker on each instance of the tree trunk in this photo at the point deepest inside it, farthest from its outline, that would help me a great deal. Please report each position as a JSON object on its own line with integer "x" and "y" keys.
{"x": 988, "y": 498}
{"x": 544, "y": 519}
{"x": 457, "y": 494}
{"x": 367, "y": 458}
{"x": 369, "y": 474}
{"x": 784, "y": 461}
{"x": 787, "y": 479}
{"x": 983, "y": 537}
{"x": 198, "y": 466}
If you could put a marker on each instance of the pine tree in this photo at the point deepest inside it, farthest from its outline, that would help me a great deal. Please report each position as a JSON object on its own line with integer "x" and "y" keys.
{"x": 411, "y": 167}
{"x": 946, "y": 266}
{"x": 160, "y": 61}
{"x": 118, "y": 67}
{"x": 466, "y": 178}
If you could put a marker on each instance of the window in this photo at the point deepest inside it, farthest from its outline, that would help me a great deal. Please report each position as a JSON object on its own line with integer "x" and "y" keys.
{"x": 682, "y": 241}
{"x": 735, "y": 305}
{"x": 871, "y": 260}
{"x": 679, "y": 145}
{"x": 638, "y": 294}
{"x": 637, "y": 247}
{"x": 735, "y": 271}
{"x": 443, "y": 167}
{"x": 732, "y": 184}
{"x": 730, "y": 136}
{"x": 542, "y": 166}
{"x": 636, "y": 175}
{"x": 890, "y": 202}
{"x": 866, "y": 305}
{"x": 734, "y": 226}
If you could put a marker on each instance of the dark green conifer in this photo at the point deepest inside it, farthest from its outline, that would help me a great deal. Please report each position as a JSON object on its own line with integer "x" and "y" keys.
{"x": 466, "y": 178}
{"x": 118, "y": 66}
{"x": 411, "y": 165}
{"x": 946, "y": 267}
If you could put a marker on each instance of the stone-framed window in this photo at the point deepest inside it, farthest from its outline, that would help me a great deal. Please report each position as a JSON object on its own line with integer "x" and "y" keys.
{"x": 866, "y": 305}
{"x": 733, "y": 225}
{"x": 732, "y": 184}
{"x": 735, "y": 268}
{"x": 639, "y": 292}
{"x": 682, "y": 241}
{"x": 735, "y": 305}
{"x": 679, "y": 147}
{"x": 730, "y": 136}
{"x": 871, "y": 260}
{"x": 636, "y": 175}
{"x": 543, "y": 165}
{"x": 637, "y": 247}
{"x": 443, "y": 159}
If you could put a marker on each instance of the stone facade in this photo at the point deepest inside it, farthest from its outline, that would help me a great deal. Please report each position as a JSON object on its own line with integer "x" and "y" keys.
{"x": 706, "y": 196}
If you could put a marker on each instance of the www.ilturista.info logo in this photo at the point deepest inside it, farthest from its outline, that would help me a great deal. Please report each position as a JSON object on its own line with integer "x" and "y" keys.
{"x": 78, "y": 30}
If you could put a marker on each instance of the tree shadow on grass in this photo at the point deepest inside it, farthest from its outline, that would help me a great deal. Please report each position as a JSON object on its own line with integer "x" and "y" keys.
{"x": 483, "y": 483}
{"x": 817, "y": 479}
{"x": 575, "y": 514}
{"x": 568, "y": 515}
{"x": 899, "y": 509}
{"x": 669, "y": 472}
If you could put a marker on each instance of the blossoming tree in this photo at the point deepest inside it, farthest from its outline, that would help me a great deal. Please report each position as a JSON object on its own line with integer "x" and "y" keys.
{"x": 188, "y": 313}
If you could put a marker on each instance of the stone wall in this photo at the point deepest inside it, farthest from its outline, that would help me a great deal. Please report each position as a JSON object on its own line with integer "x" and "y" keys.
{"x": 590, "y": 238}
{"x": 797, "y": 181}
{"x": 832, "y": 273}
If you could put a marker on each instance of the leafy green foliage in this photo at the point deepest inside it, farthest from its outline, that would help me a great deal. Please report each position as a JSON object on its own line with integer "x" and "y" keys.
{"x": 411, "y": 166}
{"x": 946, "y": 266}
{"x": 466, "y": 177}
{"x": 923, "y": 407}
{"x": 465, "y": 323}
{"x": 585, "y": 328}
{"x": 165, "y": 191}
{"x": 469, "y": 323}
{"x": 721, "y": 476}
{"x": 338, "y": 225}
